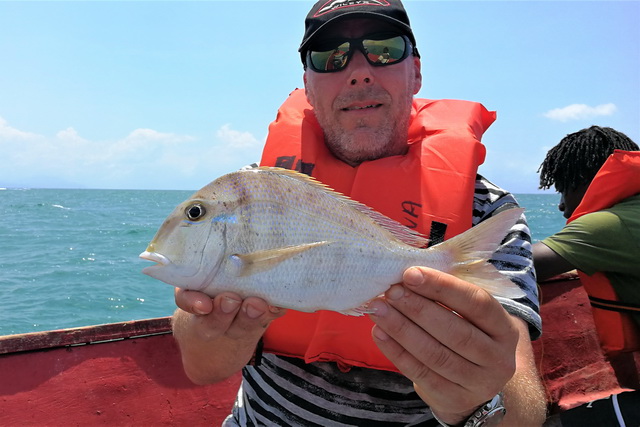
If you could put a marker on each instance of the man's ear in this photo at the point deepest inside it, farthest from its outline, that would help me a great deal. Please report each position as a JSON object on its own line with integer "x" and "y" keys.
{"x": 418, "y": 75}
{"x": 307, "y": 90}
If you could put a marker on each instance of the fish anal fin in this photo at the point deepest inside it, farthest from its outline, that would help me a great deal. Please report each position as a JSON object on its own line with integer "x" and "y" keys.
{"x": 358, "y": 311}
{"x": 259, "y": 261}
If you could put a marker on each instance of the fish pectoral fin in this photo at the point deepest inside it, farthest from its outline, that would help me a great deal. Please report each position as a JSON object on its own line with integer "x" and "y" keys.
{"x": 259, "y": 261}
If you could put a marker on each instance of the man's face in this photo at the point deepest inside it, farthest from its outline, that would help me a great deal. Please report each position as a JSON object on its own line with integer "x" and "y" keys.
{"x": 363, "y": 110}
{"x": 570, "y": 199}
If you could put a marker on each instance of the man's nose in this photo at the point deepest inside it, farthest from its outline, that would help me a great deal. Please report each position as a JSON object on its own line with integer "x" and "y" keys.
{"x": 360, "y": 69}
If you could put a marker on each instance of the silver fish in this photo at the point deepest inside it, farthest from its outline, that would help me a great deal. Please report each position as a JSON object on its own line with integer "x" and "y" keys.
{"x": 285, "y": 237}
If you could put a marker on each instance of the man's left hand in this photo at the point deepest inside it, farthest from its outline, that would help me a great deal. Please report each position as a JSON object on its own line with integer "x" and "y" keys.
{"x": 451, "y": 338}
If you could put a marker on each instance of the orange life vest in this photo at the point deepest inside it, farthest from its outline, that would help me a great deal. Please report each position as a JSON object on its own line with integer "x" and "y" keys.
{"x": 429, "y": 189}
{"x": 617, "y": 179}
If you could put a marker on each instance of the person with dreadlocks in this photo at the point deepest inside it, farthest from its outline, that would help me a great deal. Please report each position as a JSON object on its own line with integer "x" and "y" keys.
{"x": 597, "y": 172}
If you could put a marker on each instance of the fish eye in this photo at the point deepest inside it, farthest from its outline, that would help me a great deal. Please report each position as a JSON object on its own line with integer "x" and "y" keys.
{"x": 195, "y": 212}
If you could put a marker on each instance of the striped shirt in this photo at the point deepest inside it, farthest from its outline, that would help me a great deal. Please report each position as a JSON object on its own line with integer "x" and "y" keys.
{"x": 285, "y": 391}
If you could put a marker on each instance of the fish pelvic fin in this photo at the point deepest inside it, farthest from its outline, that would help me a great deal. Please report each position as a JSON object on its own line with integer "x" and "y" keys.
{"x": 471, "y": 250}
{"x": 259, "y": 261}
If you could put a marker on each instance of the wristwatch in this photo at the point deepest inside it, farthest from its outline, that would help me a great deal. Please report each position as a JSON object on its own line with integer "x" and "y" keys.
{"x": 488, "y": 415}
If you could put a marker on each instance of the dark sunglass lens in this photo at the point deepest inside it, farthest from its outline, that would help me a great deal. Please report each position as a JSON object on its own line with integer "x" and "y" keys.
{"x": 385, "y": 51}
{"x": 333, "y": 59}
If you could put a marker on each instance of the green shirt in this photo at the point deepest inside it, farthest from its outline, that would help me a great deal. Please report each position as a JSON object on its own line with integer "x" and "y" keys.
{"x": 606, "y": 241}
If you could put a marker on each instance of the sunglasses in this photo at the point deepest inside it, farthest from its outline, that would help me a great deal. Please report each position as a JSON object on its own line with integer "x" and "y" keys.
{"x": 333, "y": 55}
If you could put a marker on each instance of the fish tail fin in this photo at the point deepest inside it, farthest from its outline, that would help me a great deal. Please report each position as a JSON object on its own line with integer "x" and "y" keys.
{"x": 471, "y": 250}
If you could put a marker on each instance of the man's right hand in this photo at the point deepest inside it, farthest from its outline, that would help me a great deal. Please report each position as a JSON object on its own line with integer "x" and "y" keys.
{"x": 218, "y": 336}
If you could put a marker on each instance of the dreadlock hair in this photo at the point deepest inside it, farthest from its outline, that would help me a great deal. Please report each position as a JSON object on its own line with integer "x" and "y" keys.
{"x": 578, "y": 157}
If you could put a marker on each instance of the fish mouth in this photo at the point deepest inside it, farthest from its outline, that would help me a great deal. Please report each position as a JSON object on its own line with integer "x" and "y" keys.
{"x": 155, "y": 257}
{"x": 168, "y": 272}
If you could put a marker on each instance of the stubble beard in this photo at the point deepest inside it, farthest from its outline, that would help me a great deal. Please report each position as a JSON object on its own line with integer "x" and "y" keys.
{"x": 366, "y": 143}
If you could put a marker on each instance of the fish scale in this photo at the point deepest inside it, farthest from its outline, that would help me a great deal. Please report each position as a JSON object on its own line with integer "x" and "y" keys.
{"x": 284, "y": 237}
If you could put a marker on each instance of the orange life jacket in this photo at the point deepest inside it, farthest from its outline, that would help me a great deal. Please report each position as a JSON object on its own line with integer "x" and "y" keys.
{"x": 429, "y": 189}
{"x": 618, "y": 179}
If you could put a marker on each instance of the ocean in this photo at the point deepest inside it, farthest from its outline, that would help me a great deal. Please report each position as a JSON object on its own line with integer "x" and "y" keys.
{"x": 69, "y": 258}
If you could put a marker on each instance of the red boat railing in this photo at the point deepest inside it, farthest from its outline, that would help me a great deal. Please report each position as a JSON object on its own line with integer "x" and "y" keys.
{"x": 84, "y": 335}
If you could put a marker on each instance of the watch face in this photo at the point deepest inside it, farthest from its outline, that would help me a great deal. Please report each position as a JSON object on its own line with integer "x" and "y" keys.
{"x": 490, "y": 414}
{"x": 492, "y": 418}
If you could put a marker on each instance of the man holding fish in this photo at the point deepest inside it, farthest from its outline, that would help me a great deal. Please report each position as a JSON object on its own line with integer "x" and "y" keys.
{"x": 448, "y": 342}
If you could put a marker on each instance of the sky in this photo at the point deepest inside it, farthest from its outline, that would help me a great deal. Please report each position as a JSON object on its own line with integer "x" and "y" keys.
{"x": 172, "y": 94}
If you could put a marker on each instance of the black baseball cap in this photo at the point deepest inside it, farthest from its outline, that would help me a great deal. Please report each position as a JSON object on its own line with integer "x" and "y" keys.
{"x": 326, "y": 11}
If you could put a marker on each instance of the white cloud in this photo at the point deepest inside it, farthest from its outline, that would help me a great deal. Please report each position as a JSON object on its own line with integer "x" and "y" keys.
{"x": 146, "y": 144}
{"x": 70, "y": 134}
{"x": 236, "y": 139}
{"x": 153, "y": 135}
{"x": 233, "y": 149}
{"x": 580, "y": 112}
{"x": 9, "y": 133}
{"x": 145, "y": 158}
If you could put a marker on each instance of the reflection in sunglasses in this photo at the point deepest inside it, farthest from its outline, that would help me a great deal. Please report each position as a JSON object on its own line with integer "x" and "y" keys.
{"x": 334, "y": 55}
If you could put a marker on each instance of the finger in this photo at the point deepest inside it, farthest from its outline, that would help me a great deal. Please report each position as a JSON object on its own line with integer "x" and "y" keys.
{"x": 216, "y": 322}
{"x": 436, "y": 390}
{"x": 407, "y": 363}
{"x": 415, "y": 352}
{"x": 469, "y": 301}
{"x": 253, "y": 317}
{"x": 448, "y": 328}
{"x": 193, "y": 302}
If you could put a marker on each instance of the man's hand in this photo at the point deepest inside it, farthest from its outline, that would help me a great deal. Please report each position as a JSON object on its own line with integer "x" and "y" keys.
{"x": 218, "y": 336}
{"x": 457, "y": 357}
{"x": 227, "y": 314}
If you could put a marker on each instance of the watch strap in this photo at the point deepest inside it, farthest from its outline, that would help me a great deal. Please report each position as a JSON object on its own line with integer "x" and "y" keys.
{"x": 488, "y": 414}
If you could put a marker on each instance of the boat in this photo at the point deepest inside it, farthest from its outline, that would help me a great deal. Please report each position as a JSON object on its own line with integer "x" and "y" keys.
{"x": 572, "y": 365}
{"x": 131, "y": 374}
{"x": 125, "y": 374}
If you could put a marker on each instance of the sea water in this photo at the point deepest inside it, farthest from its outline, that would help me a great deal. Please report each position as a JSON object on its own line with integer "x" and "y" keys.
{"x": 69, "y": 258}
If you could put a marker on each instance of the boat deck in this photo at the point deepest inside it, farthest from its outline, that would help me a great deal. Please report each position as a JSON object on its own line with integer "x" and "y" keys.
{"x": 125, "y": 374}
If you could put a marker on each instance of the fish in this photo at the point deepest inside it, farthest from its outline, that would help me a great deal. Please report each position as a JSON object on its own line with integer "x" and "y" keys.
{"x": 285, "y": 237}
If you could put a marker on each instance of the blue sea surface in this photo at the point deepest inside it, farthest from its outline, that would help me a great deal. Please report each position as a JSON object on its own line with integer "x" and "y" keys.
{"x": 69, "y": 258}
{"x": 542, "y": 214}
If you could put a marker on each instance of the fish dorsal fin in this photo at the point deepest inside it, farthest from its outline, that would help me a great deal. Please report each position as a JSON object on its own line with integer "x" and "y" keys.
{"x": 397, "y": 230}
